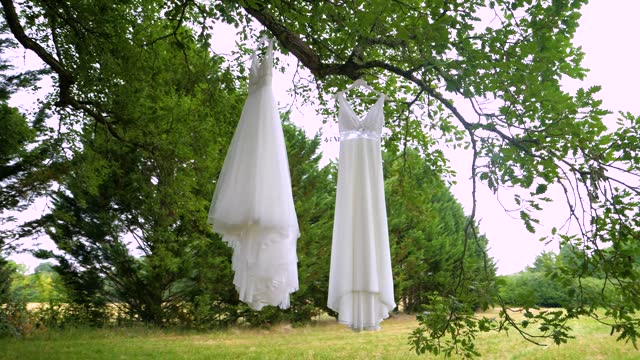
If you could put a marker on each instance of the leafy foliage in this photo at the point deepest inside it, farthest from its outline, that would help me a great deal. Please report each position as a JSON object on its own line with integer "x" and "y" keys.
{"x": 24, "y": 147}
{"x": 120, "y": 67}
{"x": 43, "y": 286}
{"x": 13, "y": 311}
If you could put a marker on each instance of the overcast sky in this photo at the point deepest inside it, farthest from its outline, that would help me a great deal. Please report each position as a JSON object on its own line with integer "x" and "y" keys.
{"x": 607, "y": 35}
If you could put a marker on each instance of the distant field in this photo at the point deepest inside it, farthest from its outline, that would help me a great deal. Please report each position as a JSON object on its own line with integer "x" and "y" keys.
{"x": 324, "y": 340}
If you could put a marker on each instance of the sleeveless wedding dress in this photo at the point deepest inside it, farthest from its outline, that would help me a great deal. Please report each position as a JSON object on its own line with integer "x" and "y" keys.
{"x": 252, "y": 207}
{"x": 360, "y": 279}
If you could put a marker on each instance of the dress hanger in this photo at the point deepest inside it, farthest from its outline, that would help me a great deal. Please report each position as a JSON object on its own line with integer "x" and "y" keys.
{"x": 363, "y": 84}
{"x": 264, "y": 38}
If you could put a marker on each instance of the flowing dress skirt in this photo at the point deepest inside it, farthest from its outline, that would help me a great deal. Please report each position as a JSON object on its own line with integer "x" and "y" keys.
{"x": 252, "y": 206}
{"x": 361, "y": 283}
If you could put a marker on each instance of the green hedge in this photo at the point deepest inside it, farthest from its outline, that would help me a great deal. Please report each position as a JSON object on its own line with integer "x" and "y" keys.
{"x": 529, "y": 288}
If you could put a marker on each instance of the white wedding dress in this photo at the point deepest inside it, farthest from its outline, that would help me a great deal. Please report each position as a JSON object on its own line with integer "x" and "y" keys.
{"x": 252, "y": 207}
{"x": 360, "y": 280}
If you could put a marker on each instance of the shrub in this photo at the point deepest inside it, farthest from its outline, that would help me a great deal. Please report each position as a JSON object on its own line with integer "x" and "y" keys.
{"x": 529, "y": 288}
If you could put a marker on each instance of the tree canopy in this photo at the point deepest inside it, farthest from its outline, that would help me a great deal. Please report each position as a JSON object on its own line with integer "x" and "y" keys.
{"x": 124, "y": 69}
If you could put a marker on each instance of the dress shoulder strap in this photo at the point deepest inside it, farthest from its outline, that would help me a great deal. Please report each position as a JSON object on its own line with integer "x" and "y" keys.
{"x": 268, "y": 56}
{"x": 269, "y": 41}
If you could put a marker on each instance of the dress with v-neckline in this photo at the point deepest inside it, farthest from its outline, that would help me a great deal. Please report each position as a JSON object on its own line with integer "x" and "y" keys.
{"x": 353, "y": 126}
{"x": 360, "y": 278}
{"x": 347, "y": 106}
{"x": 260, "y": 72}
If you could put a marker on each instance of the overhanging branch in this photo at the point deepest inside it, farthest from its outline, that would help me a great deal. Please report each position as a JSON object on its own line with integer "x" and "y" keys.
{"x": 65, "y": 77}
{"x": 299, "y": 48}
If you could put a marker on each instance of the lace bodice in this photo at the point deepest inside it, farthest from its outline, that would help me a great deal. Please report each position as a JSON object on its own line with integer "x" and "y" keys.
{"x": 260, "y": 71}
{"x": 352, "y": 127}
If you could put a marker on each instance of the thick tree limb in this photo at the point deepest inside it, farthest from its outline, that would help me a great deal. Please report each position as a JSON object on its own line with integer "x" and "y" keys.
{"x": 301, "y": 50}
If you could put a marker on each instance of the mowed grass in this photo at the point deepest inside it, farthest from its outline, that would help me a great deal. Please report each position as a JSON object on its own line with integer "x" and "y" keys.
{"x": 323, "y": 340}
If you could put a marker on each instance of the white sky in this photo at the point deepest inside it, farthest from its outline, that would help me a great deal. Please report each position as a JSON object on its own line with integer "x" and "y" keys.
{"x": 608, "y": 36}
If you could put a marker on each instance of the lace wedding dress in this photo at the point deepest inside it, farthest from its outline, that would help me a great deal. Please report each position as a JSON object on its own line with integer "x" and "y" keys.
{"x": 360, "y": 279}
{"x": 252, "y": 207}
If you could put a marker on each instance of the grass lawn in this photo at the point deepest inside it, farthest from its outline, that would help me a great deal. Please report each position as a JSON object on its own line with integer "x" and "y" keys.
{"x": 324, "y": 340}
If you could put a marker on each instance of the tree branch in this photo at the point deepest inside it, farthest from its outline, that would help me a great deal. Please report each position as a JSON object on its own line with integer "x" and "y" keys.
{"x": 300, "y": 49}
{"x": 65, "y": 77}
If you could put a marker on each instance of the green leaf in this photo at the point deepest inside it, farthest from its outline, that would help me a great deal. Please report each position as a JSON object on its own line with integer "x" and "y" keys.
{"x": 541, "y": 189}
